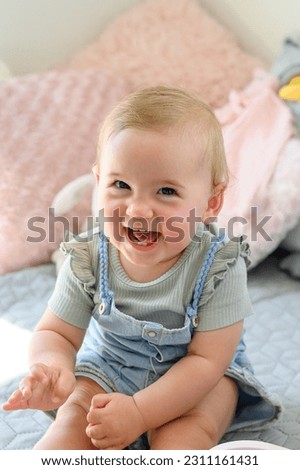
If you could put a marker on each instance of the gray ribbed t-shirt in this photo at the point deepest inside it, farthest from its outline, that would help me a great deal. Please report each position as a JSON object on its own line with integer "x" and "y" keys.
{"x": 224, "y": 301}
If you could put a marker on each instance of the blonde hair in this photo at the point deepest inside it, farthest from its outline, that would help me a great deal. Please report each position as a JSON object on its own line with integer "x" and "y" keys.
{"x": 162, "y": 107}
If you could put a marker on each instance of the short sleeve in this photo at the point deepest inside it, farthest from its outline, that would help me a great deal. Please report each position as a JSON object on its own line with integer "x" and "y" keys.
{"x": 73, "y": 296}
{"x": 225, "y": 299}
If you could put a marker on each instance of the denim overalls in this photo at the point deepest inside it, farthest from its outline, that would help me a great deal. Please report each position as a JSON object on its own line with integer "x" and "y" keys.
{"x": 124, "y": 354}
{"x": 128, "y": 354}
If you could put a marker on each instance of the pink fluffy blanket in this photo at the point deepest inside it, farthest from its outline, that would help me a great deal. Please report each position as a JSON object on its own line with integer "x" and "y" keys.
{"x": 256, "y": 127}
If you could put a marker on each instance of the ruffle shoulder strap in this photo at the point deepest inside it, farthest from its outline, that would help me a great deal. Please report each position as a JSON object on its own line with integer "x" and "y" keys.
{"x": 226, "y": 256}
{"x": 82, "y": 252}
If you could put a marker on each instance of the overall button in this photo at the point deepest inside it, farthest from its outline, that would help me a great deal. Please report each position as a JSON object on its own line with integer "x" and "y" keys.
{"x": 195, "y": 322}
{"x": 102, "y": 308}
{"x": 152, "y": 334}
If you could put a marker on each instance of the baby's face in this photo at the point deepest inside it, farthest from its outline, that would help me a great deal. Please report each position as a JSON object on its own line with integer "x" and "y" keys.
{"x": 153, "y": 187}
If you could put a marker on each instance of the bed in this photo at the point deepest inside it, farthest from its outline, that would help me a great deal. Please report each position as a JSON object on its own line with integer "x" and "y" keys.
{"x": 245, "y": 99}
{"x": 276, "y": 299}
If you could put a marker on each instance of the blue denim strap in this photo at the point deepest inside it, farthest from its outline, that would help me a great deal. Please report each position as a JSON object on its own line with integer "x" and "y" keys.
{"x": 193, "y": 307}
{"x": 105, "y": 293}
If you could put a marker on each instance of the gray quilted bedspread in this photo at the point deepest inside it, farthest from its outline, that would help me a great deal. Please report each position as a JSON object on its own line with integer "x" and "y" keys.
{"x": 272, "y": 335}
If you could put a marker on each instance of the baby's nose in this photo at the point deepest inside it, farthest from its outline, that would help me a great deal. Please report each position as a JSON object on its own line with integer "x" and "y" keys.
{"x": 139, "y": 210}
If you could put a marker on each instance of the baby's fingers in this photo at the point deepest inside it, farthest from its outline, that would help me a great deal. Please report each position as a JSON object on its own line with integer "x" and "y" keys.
{"x": 15, "y": 402}
{"x": 19, "y": 398}
{"x": 26, "y": 386}
{"x": 38, "y": 379}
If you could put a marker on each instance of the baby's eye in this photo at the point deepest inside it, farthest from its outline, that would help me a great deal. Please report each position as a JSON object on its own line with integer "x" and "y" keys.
{"x": 167, "y": 191}
{"x": 121, "y": 185}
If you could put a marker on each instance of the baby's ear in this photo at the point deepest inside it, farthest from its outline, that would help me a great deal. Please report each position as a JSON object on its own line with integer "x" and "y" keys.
{"x": 215, "y": 202}
{"x": 96, "y": 172}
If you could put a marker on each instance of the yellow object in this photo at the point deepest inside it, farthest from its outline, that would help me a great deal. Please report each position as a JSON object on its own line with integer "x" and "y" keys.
{"x": 291, "y": 91}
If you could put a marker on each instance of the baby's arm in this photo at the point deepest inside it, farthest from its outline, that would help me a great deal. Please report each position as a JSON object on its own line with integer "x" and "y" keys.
{"x": 52, "y": 354}
{"x": 124, "y": 418}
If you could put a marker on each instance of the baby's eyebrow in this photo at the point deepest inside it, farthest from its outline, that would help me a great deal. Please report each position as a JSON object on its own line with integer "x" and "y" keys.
{"x": 172, "y": 183}
{"x": 114, "y": 175}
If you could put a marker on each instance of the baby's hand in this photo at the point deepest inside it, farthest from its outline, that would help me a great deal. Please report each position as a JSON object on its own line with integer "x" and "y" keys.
{"x": 114, "y": 421}
{"x": 45, "y": 388}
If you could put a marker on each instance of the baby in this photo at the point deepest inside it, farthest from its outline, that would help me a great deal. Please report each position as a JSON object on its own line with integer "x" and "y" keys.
{"x": 143, "y": 333}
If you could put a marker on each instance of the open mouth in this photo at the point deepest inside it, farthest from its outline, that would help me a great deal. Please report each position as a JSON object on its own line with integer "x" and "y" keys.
{"x": 142, "y": 237}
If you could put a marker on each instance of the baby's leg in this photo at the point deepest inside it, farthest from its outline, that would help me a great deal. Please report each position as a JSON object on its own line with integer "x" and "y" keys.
{"x": 68, "y": 429}
{"x": 203, "y": 426}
